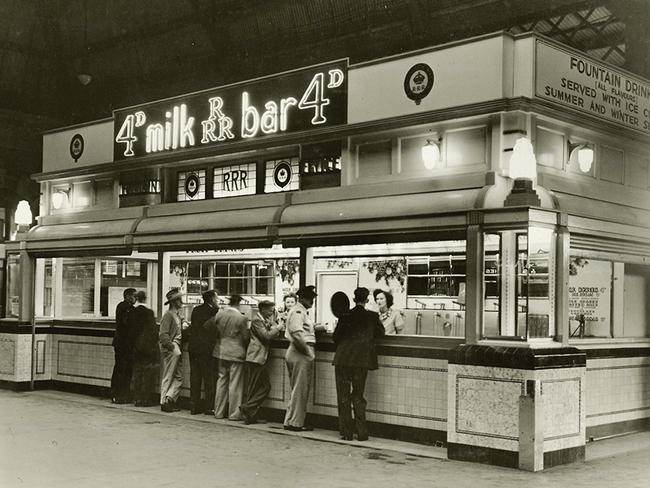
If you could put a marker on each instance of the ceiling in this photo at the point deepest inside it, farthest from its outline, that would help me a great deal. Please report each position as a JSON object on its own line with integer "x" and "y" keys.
{"x": 143, "y": 50}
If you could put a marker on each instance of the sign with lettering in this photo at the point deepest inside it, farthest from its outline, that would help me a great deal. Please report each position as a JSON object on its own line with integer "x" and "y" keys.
{"x": 590, "y": 290}
{"x": 290, "y": 102}
{"x": 235, "y": 180}
{"x": 578, "y": 82}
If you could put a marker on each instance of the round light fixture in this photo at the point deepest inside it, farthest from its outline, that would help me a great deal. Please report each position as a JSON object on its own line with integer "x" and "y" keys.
{"x": 430, "y": 154}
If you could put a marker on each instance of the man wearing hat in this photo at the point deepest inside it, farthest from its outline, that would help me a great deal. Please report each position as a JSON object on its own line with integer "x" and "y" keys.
{"x": 354, "y": 337}
{"x": 301, "y": 332}
{"x": 171, "y": 327}
{"x": 258, "y": 384}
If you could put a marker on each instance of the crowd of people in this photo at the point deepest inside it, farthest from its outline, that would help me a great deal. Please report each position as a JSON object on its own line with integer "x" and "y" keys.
{"x": 228, "y": 354}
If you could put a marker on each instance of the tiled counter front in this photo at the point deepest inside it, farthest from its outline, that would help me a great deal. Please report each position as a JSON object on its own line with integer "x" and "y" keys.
{"x": 618, "y": 395}
{"x": 410, "y": 392}
{"x": 15, "y": 357}
{"x": 484, "y": 403}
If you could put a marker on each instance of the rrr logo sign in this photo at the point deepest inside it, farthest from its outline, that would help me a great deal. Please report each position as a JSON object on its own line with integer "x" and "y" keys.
{"x": 290, "y": 102}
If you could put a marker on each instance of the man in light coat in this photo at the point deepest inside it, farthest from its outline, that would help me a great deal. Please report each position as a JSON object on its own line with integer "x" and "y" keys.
{"x": 230, "y": 329}
{"x": 171, "y": 327}
{"x": 258, "y": 384}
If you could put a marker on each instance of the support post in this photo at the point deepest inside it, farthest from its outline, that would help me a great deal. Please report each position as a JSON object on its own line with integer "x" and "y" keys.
{"x": 474, "y": 276}
{"x": 531, "y": 427}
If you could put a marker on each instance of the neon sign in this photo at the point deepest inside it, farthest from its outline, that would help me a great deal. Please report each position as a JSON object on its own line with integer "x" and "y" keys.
{"x": 294, "y": 101}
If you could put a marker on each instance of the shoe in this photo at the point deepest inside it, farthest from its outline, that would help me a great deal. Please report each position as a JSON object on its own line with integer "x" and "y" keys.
{"x": 208, "y": 412}
{"x": 169, "y": 407}
{"x": 362, "y": 438}
{"x": 304, "y": 428}
{"x": 346, "y": 437}
{"x": 195, "y": 412}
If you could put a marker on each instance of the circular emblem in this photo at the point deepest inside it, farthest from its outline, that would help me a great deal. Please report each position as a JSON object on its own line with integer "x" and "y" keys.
{"x": 282, "y": 174}
{"x": 418, "y": 82}
{"x": 192, "y": 185}
{"x": 76, "y": 146}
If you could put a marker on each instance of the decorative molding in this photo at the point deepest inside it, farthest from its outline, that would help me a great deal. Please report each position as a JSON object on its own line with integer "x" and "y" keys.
{"x": 41, "y": 356}
{"x": 58, "y": 360}
{"x": 580, "y": 406}
{"x": 12, "y": 355}
{"x": 482, "y": 378}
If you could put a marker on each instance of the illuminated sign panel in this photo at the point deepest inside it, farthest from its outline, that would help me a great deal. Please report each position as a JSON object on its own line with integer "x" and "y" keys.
{"x": 282, "y": 175}
{"x": 290, "y": 102}
{"x": 235, "y": 180}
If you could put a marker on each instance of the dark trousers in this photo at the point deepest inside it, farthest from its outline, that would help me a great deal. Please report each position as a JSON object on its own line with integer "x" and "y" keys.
{"x": 350, "y": 383}
{"x": 202, "y": 371}
{"x": 146, "y": 376}
{"x": 122, "y": 374}
{"x": 258, "y": 387}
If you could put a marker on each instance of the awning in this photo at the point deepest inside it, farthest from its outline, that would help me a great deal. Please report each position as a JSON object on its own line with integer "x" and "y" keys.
{"x": 100, "y": 237}
{"x": 395, "y": 216}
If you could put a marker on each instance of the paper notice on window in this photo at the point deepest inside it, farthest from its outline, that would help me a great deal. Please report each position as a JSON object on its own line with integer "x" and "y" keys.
{"x": 590, "y": 294}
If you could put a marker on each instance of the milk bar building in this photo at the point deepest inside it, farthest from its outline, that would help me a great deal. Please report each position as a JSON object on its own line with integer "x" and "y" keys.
{"x": 497, "y": 186}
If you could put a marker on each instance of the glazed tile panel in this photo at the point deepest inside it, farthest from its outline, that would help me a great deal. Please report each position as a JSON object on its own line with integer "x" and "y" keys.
{"x": 617, "y": 390}
{"x": 403, "y": 391}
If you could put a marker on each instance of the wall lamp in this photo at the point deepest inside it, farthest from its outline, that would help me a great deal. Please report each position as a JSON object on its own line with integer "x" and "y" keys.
{"x": 583, "y": 154}
{"x": 23, "y": 216}
{"x": 60, "y": 198}
{"x": 431, "y": 153}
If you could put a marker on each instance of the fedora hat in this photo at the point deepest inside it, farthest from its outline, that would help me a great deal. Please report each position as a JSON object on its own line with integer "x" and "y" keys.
{"x": 173, "y": 294}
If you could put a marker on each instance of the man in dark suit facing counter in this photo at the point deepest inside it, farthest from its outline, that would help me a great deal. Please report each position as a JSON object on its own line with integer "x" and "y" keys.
{"x": 354, "y": 337}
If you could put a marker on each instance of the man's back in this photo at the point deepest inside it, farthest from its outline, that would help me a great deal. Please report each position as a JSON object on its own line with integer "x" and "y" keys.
{"x": 232, "y": 333}
{"x": 200, "y": 340}
{"x": 355, "y": 338}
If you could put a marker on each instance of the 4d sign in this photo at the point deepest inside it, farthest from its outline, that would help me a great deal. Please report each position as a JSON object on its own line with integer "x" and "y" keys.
{"x": 295, "y": 101}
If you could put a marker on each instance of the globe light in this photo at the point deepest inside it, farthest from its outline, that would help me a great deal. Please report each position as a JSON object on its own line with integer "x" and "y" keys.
{"x": 430, "y": 154}
{"x": 522, "y": 162}
{"x": 23, "y": 215}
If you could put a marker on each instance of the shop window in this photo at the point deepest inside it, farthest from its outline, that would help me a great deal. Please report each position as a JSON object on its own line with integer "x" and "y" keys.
{"x": 608, "y": 298}
{"x": 87, "y": 287}
{"x": 116, "y": 276}
{"x": 426, "y": 280}
{"x": 78, "y": 287}
{"x": 636, "y": 300}
{"x": 519, "y": 284}
{"x": 255, "y": 279}
{"x": 14, "y": 279}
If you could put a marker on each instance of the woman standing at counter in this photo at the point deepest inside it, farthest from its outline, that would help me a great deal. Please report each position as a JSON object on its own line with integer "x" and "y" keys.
{"x": 392, "y": 319}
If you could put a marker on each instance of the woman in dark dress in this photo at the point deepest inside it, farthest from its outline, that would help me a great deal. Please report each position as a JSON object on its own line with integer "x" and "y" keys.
{"x": 146, "y": 355}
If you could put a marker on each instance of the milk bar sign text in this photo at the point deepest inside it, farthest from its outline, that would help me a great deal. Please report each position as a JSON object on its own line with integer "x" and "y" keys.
{"x": 583, "y": 84}
{"x": 295, "y": 101}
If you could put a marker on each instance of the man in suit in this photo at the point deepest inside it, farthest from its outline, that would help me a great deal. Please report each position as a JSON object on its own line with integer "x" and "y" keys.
{"x": 354, "y": 337}
{"x": 123, "y": 342}
{"x": 258, "y": 384}
{"x": 201, "y": 344}
{"x": 230, "y": 328}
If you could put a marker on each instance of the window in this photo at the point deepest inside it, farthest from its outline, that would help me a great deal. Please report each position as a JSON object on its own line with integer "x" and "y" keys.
{"x": 519, "y": 283}
{"x": 227, "y": 277}
{"x": 14, "y": 279}
{"x": 608, "y": 298}
{"x": 88, "y": 287}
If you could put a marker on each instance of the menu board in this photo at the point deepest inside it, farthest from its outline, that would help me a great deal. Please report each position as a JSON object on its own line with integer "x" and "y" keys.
{"x": 590, "y": 294}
